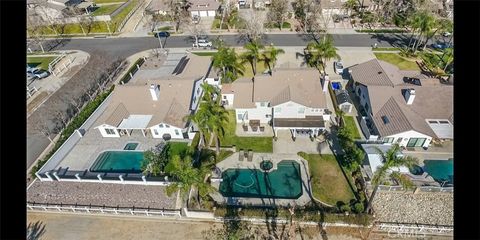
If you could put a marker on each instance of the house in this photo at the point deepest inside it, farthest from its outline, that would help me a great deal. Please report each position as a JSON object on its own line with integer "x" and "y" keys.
{"x": 204, "y": 8}
{"x": 157, "y": 107}
{"x": 343, "y": 101}
{"x": 402, "y": 107}
{"x": 332, "y": 7}
{"x": 54, "y": 10}
{"x": 290, "y": 99}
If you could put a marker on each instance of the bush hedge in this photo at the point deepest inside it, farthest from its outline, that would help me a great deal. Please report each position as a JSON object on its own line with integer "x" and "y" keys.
{"x": 133, "y": 69}
{"x": 381, "y": 30}
{"x": 72, "y": 126}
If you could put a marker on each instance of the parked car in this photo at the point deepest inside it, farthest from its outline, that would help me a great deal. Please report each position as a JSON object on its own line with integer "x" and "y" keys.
{"x": 39, "y": 73}
{"x": 441, "y": 46}
{"x": 338, "y": 67}
{"x": 203, "y": 42}
{"x": 30, "y": 69}
{"x": 162, "y": 34}
{"x": 242, "y": 2}
{"x": 446, "y": 34}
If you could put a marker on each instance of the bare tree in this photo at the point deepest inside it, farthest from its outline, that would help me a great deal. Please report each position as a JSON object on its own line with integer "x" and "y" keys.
{"x": 254, "y": 25}
{"x": 40, "y": 124}
{"x": 278, "y": 12}
{"x": 178, "y": 12}
{"x": 195, "y": 30}
{"x": 308, "y": 13}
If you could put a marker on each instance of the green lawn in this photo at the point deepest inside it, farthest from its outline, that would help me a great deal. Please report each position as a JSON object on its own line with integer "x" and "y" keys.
{"x": 204, "y": 53}
{"x": 385, "y": 49}
{"x": 178, "y": 148}
{"x": 108, "y": 1}
{"x": 397, "y": 60}
{"x": 106, "y": 10}
{"x": 40, "y": 62}
{"x": 328, "y": 182}
{"x": 257, "y": 144}
{"x": 350, "y": 125}
{"x": 248, "y": 69}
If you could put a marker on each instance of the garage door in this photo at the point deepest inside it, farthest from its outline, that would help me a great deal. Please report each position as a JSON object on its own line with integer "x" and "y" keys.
{"x": 203, "y": 13}
{"x": 211, "y": 13}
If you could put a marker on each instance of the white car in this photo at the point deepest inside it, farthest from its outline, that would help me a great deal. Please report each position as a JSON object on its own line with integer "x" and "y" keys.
{"x": 39, "y": 73}
{"x": 203, "y": 43}
{"x": 338, "y": 67}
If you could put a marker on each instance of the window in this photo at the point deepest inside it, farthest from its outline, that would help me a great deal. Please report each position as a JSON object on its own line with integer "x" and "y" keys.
{"x": 239, "y": 116}
{"x": 155, "y": 132}
{"x": 385, "y": 119}
{"x": 432, "y": 121}
{"x": 110, "y": 131}
{"x": 176, "y": 132}
{"x": 388, "y": 140}
{"x": 160, "y": 126}
{"x": 167, "y": 126}
{"x": 399, "y": 140}
{"x": 224, "y": 97}
{"x": 277, "y": 110}
{"x": 262, "y": 104}
{"x": 443, "y": 122}
{"x": 198, "y": 90}
{"x": 301, "y": 110}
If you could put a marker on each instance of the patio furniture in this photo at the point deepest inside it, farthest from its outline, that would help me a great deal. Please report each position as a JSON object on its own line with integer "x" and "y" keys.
{"x": 250, "y": 155}
{"x": 254, "y": 129}
{"x": 254, "y": 124}
{"x": 241, "y": 155}
{"x": 245, "y": 128}
{"x": 262, "y": 128}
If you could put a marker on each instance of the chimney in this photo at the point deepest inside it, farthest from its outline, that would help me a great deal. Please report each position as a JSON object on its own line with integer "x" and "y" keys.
{"x": 155, "y": 92}
{"x": 410, "y": 96}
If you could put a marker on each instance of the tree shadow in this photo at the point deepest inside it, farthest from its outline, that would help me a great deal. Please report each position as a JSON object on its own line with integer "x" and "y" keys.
{"x": 394, "y": 39}
{"x": 35, "y": 230}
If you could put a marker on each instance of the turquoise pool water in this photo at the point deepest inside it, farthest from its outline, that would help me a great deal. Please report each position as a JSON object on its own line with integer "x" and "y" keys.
{"x": 130, "y": 146}
{"x": 118, "y": 162}
{"x": 283, "y": 182}
{"x": 440, "y": 170}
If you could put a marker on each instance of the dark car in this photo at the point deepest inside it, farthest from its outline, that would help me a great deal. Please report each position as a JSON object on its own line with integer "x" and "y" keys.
{"x": 162, "y": 34}
{"x": 441, "y": 46}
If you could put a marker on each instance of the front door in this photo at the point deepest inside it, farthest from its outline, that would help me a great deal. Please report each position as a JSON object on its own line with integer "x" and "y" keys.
{"x": 416, "y": 142}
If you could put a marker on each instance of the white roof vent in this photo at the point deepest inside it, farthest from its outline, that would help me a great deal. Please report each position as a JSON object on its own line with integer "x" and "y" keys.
{"x": 155, "y": 91}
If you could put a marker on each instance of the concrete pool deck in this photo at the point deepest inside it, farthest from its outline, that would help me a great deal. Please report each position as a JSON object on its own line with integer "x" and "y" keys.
{"x": 233, "y": 162}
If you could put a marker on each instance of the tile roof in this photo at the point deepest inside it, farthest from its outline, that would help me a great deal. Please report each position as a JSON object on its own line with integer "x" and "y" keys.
{"x": 203, "y": 5}
{"x": 118, "y": 115}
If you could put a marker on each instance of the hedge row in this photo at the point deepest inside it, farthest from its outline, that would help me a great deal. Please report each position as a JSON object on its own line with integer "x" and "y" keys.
{"x": 72, "y": 126}
{"x": 133, "y": 69}
{"x": 381, "y": 30}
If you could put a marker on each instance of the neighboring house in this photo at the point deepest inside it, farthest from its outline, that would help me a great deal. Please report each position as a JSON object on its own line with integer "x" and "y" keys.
{"x": 204, "y": 8}
{"x": 397, "y": 110}
{"x": 373, "y": 159}
{"x": 343, "y": 101}
{"x": 65, "y": 3}
{"x": 157, "y": 7}
{"x": 54, "y": 10}
{"x": 331, "y": 7}
{"x": 291, "y": 99}
{"x": 157, "y": 107}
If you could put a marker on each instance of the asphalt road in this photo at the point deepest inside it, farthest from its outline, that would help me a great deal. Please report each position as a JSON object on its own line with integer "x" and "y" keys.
{"x": 124, "y": 47}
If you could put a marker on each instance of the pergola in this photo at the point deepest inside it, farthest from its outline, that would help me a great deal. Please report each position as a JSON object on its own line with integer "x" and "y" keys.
{"x": 134, "y": 122}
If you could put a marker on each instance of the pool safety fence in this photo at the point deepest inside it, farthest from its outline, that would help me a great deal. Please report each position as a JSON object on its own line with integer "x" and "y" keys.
{"x": 415, "y": 190}
{"x": 95, "y": 209}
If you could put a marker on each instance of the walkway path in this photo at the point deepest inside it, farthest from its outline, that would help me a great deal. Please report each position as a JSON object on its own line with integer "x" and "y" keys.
{"x": 129, "y": 28}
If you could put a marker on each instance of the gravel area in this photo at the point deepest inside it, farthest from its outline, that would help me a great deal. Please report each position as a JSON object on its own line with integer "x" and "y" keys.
{"x": 421, "y": 208}
{"x": 99, "y": 194}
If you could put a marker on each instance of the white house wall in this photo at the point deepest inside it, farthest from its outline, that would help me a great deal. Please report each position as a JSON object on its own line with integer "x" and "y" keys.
{"x": 102, "y": 127}
{"x": 288, "y": 110}
{"x": 253, "y": 114}
{"x": 407, "y": 135}
{"x": 229, "y": 98}
{"x": 164, "y": 130}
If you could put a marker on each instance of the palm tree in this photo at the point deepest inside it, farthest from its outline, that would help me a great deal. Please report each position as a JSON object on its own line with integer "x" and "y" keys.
{"x": 199, "y": 118}
{"x": 270, "y": 57}
{"x": 320, "y": 53}
{"x": 391, "y": 161}
{"x": 217, "y": 120}
{"x": 186, "y": 177}
{"x": 252, "y": 55}
{"x": 227, "y": 64}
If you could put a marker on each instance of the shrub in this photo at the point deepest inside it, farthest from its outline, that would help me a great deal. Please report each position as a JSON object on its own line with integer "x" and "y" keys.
{"x": 133, "y": 69}
{"x": 381, "y": 30}
{"x": 358, "y": 207}
{"x": 345, "y": 208}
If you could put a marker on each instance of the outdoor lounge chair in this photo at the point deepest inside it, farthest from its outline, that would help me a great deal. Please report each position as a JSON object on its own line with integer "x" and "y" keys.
{"x": 241, "y": 155}
{"x": 250, "y": 155}
{"x": 245, "y": 128}
{"x": 262, "y": 129}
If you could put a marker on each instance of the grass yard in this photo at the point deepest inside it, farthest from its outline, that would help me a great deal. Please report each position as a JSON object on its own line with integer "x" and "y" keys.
{"x": 40, "y": 62}
{"x": 385, "y": 49}
{"x": 257, "y": 144}
{"x": 106, "y": 9}
{"x": 397, "y": 60}
{"x": 328, "y": 182}
{"x": 178, "y": 148}
{"x": 203, "y": 54}
{"x": 248, "y": 69}
{"x": 350, "y": 125}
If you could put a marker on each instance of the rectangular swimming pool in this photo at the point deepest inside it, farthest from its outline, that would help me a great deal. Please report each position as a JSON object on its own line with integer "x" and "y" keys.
{"x": 118, "y": 162}
{"x": 440, "y": 170}
{"x": 283, "y": 182}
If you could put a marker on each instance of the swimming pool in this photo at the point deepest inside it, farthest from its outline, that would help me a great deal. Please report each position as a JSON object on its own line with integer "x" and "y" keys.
{"x": 131, "y": 146}
{"x": 283, "y": 182}
{"x": 440, "y": 170}
{"x": 118, "y": 162}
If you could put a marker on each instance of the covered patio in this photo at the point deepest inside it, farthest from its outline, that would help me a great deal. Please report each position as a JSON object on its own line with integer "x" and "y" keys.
{"x": 134, "y": 122}
{"x": 310, "y": 126}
